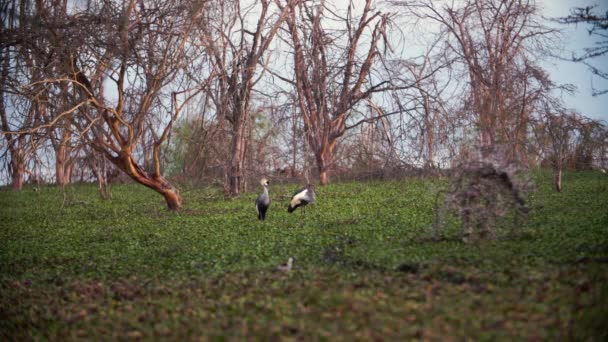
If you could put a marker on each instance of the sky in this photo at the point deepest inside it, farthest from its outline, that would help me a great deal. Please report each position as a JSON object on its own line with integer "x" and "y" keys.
{"x": 576, "y": 38}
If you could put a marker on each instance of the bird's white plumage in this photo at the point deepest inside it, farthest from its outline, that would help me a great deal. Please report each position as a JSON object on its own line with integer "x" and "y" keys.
{"x": 263, "y": 201}
{"x": 301, "y": 198}
{"x": 286, "y": 267}
{"x": 302, "y": 195}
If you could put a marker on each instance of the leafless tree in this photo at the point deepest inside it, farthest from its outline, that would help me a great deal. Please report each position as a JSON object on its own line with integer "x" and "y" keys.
{"x": 66, "y": 146}
{"x": 238, "y": 54}
{"x": 140, "y": 51}
{"x": 497, "y": 43}
{"x": 556, "y": 131}
{"x": 599, "y": 29}
{"x": 426, "y": 123}
{"x": 334, "y": 70}
{"x": 21, "y": 108}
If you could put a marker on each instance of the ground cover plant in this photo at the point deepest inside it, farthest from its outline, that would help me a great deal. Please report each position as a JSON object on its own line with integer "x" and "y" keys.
{"x": 366, "y": 266}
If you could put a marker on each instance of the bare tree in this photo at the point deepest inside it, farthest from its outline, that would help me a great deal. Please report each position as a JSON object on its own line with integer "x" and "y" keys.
{"x": 66, "y": 146}
{"x": 599, "y": 29}
{"x": 497, "y": 44}
{"x": 20, "y": 108}
{"x": 99, "y": 167}
{"x": 333, "y": 70}
{"x": 424, "y": 105}
{"x": 556, "y": 131}
{"x": 238, "y": 54}
{"x": 138, "y": 50}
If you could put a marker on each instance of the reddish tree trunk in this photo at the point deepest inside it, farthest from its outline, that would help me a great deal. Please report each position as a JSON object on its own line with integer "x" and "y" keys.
{"x": 324, "y": 158}
{"x": 155, "y": 182}
{"x": 60, "y": 166}
{"x": 18, "y": 175}
{"x": 235, "y": 171}
{"x": 323, "y": 177}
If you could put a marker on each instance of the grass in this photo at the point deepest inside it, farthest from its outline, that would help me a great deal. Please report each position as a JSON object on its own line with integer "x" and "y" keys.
{"x": 73, "y": 266}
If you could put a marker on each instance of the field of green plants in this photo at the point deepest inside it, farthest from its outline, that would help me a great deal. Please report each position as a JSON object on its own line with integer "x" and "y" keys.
{"x": 73, "y": 266}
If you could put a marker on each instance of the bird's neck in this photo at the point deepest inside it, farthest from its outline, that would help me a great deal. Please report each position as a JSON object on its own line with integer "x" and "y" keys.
{"x": 265, "y": 190}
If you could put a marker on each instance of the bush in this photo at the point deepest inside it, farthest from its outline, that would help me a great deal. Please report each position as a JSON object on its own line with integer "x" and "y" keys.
{"x": 484, "y": 188}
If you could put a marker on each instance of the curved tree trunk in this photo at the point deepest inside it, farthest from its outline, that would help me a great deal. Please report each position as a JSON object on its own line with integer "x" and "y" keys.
{"x": 125, "y": 162}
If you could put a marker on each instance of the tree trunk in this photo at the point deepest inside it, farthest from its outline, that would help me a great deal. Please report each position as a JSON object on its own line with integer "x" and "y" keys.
{"x": 323, "y": 168}
{"x": 100, "y": 171}
{"x": 60, "y": 166}
{"x": 102, "y": 186}
{"x": 173, "y": 198}
{"x": 155, "y": 182}
{"x": 558, "y": 179}
{"x": 323, "y": 177}
{"x": 235, "y": 171}
{"x": 18, "y": 174}
{"x": 294, "y": 144}
{"x": 67, "y": 174}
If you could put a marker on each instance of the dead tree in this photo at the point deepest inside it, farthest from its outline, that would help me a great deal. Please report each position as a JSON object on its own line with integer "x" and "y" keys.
{"x": 555, "y": 131}
{"x": 139, "y": 48}
{"x": 598, "y": 29}
{"x": 238, "y": 54}
{"x": 496, "y": 43}
{"x": 20, "y": 107}
{"x": 333, "y": 70}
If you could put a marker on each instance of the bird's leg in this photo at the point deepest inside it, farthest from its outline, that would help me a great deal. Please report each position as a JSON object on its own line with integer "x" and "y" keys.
{"x": 302, "y": 217}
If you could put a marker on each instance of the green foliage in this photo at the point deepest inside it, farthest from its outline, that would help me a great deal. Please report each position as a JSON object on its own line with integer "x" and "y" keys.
{"x": 179, "y": 148}
{"x": 366, "y": 266}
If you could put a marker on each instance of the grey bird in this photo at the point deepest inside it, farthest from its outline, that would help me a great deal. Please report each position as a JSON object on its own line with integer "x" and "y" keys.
{"x": 263, "y": 201}
{"x": 301, "y": 198}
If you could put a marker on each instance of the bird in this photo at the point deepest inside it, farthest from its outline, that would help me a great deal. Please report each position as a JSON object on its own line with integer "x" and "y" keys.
{"x": 263, "y": 201}
{"x": 286, "y": 267}
{"x": 301, "y": 198}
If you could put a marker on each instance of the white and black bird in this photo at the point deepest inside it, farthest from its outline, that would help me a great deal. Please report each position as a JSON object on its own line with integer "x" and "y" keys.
{"x": 263, "y": 201}
{"x": 301, "y": 198}
{"x": 286, "y": 267}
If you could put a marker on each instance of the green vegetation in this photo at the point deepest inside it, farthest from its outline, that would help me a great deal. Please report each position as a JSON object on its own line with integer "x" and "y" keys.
{"x": 74, "y": 266}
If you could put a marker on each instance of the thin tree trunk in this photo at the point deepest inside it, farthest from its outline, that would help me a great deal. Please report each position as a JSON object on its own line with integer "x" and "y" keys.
{"x": 294, "y": 143}
{"x": 67, "y": 174}
{"x": 235, "y": 171}
{"x": 60, "y": 166}
{"x": 100, "y": 173}
{"x": 558, "y": 179}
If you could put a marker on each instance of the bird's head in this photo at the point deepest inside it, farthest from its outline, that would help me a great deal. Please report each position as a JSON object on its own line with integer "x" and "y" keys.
{"x": 265, "y": 182}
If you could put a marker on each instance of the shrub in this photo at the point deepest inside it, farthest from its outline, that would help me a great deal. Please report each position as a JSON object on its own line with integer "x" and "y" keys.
{"x": 485, "y": 187}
